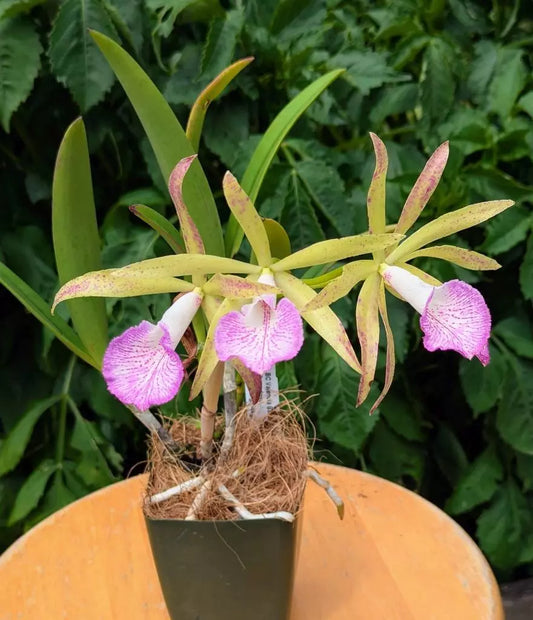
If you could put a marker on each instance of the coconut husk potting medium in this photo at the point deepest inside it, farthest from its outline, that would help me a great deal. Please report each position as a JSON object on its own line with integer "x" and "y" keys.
{"x": 264, "y": 469}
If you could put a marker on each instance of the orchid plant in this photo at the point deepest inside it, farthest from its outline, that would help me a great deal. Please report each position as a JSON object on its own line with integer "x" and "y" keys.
{"x": 237, "y": 316}
{"x": 248, "y": 314}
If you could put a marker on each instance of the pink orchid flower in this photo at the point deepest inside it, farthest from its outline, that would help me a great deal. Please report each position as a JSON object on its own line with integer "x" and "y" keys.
{"x": 452, "y": 316}
{"x": 261, "y": 333}
{"x": 141, "y": 366}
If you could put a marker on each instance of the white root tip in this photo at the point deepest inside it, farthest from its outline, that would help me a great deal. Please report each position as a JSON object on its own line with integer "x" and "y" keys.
{"x": 180, "y": 488}
{"x": 332, "y": 494}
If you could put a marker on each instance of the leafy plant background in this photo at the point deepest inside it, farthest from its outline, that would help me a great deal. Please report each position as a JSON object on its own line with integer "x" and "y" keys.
{"x": 417, "y": 73}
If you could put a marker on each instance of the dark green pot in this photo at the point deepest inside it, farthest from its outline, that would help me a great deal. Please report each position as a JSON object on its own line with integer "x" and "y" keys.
{"x": 225, "y": 570}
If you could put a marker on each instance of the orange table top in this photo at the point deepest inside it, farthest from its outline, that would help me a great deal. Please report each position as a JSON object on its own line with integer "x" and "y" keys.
{"x": 394, "y": 556}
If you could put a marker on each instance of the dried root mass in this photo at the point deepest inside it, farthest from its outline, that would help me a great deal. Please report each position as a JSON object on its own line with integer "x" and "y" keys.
{"x": 264, "y": 469}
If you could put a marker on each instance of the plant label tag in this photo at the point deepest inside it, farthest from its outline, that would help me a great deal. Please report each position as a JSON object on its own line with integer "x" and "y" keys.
{"x": 269, "y": 395}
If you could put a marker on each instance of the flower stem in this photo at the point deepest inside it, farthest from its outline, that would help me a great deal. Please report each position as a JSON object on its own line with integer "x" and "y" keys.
{"x": 61, "y": 431}
{"x": 208, "y": 414}
{"x": 230, "y": 407}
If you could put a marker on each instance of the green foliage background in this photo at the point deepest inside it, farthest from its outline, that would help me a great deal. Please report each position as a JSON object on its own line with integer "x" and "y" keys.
{"x": 417, "y": 73}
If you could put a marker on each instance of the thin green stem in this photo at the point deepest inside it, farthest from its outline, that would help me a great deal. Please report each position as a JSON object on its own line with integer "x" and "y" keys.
{"x": 92, "y": 439}
{"x": 61, "y": 431}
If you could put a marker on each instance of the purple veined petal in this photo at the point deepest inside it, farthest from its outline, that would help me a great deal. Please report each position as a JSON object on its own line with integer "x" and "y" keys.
{"x": 456, "y": 317}
{"x": 141, "y": 367}
{"x": 259, "y": 335}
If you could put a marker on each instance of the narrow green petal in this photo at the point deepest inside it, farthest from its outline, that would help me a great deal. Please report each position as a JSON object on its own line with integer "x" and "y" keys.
{"x": 118, "y": 283}
{"x": 390, "y": 360}
{"x": 448, "y": 224}
{"x": 423, "y": 188}
{"x": 191, "y": 236}
{"x": 375, "y": 201}
{"x": 323, "y": 320}
{"x": 233, "y": 287}
{"x": 352, "y": 273}
{"x": 245, "y": 213}
{"x": 459, "y": 256}
{"x": 367, "y": 319}
{"x": 336, "y": 249}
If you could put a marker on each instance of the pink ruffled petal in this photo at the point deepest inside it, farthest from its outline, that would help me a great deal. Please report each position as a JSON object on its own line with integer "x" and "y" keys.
{"x": 141, "y": 367}
{"x": 260, "y": 336}
{"x": 456, "y": 317}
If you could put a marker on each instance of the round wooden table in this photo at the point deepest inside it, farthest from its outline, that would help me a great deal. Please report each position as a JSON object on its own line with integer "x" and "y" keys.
{"x": 395, "y": 556}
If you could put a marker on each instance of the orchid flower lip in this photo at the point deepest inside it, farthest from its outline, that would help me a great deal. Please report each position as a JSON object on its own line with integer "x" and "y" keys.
{"x": 452, "y": 316}
{"x": 262, "y": 333}
{"x": 141, "y": 366}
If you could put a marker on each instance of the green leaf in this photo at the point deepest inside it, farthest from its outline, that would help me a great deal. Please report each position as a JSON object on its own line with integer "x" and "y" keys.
{"x": 85, "y": 437}
{"x": 516, "y": 332}
{"x": 526, "y": 103}
{"x": 298, "y": 217}
{"x": 167, "y": 13}
{"x": 41, "y": 311}
{"x": 394, "y": 100}
{"x": 482, "y": 69}
{"x": 524, "y": 469}
{"x": 526, "y": 271}
{"x": 75, "y": 234}
{"x": 507, "y": 231}
{"x": 20, "y": 51}
{"x": 502, "y": 527}
{"x": 366, "y": 69}
{"x": 478, "y": 483}
{"x": 482, "y": 385}
{"x": 10, "y": 8}
{"x": 167, "y": 138}
{"x": 13, "y": 446}
{"x": 221, "y": 42}
{"x": 210, "y": 93}
{"x": 395, "y": 458}
{"x": 74, "y": 58}
{"x": 32, "y": 490}
{"x": 514, "y": 419}
{"x": 280, "y": 245}
{"x": 449, "y": 455}
{"x": 56, "y": 497}
{"x": 403, "y": 417}
{"x": 338, "y": 418}
{"x": 437, "y": 84}
{"x": 326, "y": 188}
{"x": 161, "y": 225}
{"x": 509, "y": 79}
{"x": 267, "y": 148}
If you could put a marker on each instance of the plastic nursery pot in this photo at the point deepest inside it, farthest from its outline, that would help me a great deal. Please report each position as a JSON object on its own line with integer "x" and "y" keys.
{"x": 225, "y": 570}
